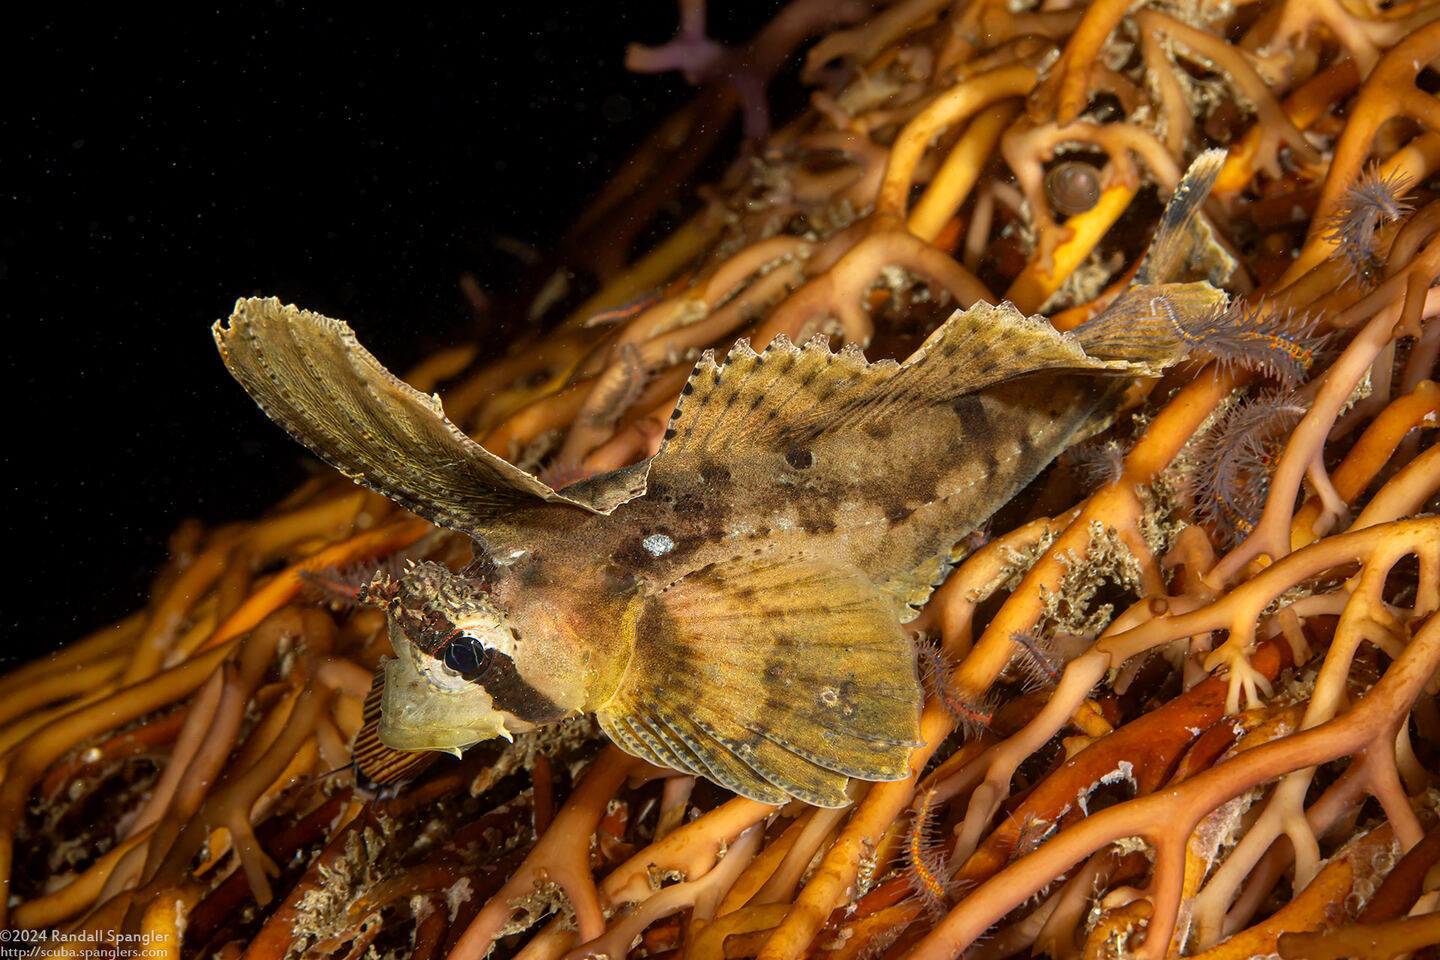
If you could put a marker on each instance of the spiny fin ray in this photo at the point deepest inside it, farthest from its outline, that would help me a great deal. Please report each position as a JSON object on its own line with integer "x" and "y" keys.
{"x": 1184, "y": 247}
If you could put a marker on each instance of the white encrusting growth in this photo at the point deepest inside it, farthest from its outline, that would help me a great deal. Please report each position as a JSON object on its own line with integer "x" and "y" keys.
{"x": 657, "y": 544}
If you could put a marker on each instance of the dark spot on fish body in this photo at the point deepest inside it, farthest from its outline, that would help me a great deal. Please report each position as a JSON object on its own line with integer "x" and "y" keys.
{"x": 897, "y": 512}
{"x": 688, "y": 505}
{"x": 816, "y": 517}
{"x": 879, "y": 430}
{"x": 968, "y": 408}
{"x": 778, "y": 673}
{"x": 799, "y": 458}
{"x": 616, "y": 580}
{"x": 631, "y": 555}
{"x": 716, "y": 531}
{"x": 714, "y": 474}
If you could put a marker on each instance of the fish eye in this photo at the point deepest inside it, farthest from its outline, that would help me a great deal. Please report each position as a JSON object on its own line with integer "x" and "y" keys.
{"x": 466, "y": 656}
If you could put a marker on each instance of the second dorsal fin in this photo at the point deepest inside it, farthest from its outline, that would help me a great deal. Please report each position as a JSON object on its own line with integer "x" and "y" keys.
{"x": 788, "y": 392}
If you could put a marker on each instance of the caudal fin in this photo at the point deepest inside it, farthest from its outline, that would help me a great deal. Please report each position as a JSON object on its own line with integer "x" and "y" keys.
{"x": 1174, "y": 309}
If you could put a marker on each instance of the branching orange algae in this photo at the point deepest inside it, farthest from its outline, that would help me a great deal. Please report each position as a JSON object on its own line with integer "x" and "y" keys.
{"x": 1239, "y": 756}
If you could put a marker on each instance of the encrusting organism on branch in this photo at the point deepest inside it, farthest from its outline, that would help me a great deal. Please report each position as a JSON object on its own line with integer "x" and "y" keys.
{"x": 1183, "y": 704}
{"x": 1231, "y": 463}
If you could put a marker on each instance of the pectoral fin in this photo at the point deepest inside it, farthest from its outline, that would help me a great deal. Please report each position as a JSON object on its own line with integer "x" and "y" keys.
{"x": 773, "y": 677}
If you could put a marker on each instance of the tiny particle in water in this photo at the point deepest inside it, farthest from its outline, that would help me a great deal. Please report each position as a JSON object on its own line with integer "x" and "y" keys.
{"x": 657, "y": 544}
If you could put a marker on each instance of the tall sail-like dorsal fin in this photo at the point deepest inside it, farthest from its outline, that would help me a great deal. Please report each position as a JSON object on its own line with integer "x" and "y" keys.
{"x": 788, "y": 392}
{"x": 310, "y": 375}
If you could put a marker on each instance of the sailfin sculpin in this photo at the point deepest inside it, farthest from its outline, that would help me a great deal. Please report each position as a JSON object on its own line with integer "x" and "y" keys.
{"x": 732, "y": 606}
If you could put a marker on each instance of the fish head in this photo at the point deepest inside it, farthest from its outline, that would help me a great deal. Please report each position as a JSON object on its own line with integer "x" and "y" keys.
{"x": 459, "y": 672}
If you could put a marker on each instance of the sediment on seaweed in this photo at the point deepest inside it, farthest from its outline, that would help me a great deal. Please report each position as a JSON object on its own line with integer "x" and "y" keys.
{"x": 1231, "y": 742}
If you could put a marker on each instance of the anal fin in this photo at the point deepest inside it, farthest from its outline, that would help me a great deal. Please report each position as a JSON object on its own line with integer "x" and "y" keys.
{"x": 774, "y": 677}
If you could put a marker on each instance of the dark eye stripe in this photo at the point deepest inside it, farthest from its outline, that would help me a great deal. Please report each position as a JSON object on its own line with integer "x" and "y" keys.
{"x": 496, "y": 672}
{"x": 511, "y": 693}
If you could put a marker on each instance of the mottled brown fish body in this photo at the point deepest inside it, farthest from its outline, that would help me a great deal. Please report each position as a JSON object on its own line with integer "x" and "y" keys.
{"x": 888, "y": 502}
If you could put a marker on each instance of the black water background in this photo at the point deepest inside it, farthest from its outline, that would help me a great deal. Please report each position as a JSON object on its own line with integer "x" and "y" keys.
{"x": 155, "y": 167}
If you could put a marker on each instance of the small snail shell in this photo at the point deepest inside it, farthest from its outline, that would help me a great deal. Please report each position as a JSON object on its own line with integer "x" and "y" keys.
{"x": 1072, "y": 187}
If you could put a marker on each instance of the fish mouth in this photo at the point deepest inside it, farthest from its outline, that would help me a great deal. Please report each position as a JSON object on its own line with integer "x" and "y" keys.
{"x": 423, "y": 708}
